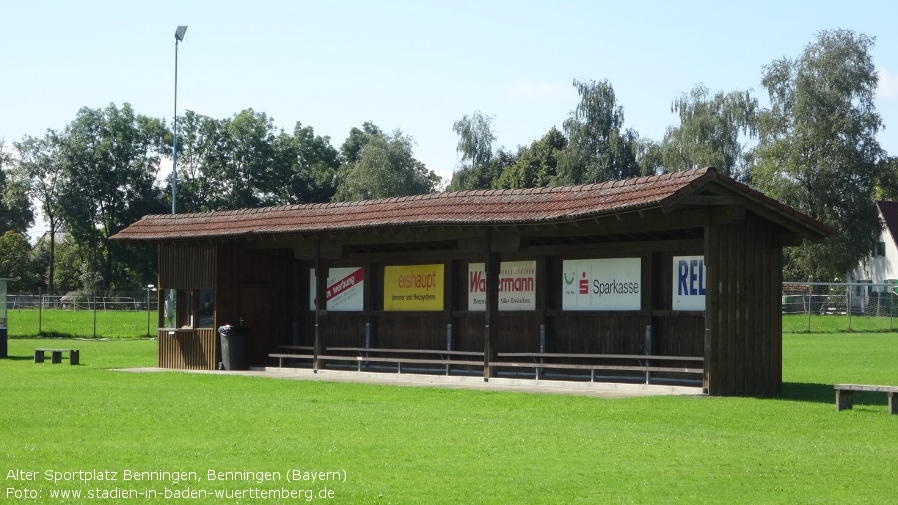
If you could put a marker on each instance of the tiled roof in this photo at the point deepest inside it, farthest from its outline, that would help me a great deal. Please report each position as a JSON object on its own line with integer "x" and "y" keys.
{"x": 519, "y": 206}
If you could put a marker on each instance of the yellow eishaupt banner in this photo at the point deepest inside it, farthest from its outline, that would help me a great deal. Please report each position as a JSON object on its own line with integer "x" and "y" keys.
{"x": 413, "y": 287}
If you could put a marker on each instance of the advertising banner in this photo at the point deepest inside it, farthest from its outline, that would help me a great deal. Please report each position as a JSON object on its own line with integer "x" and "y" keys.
{"x": 602, "y": 284}
{"x": 517, "y": 286}
{"x": 345, "y": 289}
{"x": 688, "y": 283}
{"x": 413, "y": 287}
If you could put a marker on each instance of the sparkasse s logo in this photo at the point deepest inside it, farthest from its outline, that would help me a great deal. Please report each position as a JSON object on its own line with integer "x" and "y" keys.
{"x": 584, "y": 285}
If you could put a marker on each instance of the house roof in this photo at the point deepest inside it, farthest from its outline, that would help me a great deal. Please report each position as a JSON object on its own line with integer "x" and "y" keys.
{"x": 491, "y": 207}
{"x": 889, "y": 212}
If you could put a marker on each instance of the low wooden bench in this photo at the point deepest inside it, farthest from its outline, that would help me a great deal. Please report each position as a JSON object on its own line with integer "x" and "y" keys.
{"x": 297, "y": 347}
{"x": 643, "y": 363}
{"x": 363, "y": 355}
{"x": 845, "y": 395}
{"x": 56, "y": 355}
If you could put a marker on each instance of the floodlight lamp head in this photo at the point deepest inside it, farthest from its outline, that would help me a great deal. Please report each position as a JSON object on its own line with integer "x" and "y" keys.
{"x": 179, "y": 33}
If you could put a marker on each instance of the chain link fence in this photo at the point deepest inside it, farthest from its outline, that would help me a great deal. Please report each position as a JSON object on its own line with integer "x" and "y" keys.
{"x": 823, "y": 307}
{"x": 83, "y": 314}
{"x": 77, "y": 300}
{"x": 810, "y": 307}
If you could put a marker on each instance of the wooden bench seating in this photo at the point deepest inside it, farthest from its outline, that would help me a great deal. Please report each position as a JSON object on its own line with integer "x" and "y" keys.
{"x": 297, "y": 347}
{"x": 646, "y": 364}
{"x": 56, "y": 355}
{"x": 643, "y": 363}
{"x": 364, "y": 355}
{"x": 845, "y": 395}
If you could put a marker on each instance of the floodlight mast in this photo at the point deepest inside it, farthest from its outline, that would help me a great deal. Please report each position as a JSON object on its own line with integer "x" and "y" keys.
{"x": 179, "y": 36}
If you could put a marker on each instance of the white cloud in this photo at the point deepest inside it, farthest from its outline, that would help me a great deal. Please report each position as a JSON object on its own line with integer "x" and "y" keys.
{"x": 888, "y": 83}
{"x": 535, "y": 91}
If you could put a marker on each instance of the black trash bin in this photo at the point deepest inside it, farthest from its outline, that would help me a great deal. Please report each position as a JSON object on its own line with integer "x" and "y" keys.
{"x": 4, "y": 352}
{"x": 233, "y": 346}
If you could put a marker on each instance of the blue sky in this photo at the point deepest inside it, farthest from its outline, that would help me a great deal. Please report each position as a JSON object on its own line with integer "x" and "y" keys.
{"x": 414, "y": 65}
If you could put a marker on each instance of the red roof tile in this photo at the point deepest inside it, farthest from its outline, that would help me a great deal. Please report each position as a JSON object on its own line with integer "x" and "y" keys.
{"x": 517, "y": 206}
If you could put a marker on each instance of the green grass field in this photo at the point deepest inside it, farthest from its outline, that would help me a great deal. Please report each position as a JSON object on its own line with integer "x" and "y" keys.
{"x": 80, "y": 323}
{"x": 423, "y": 445}
{"x": 801, "y": 323}
{"x": 124, "y": 324}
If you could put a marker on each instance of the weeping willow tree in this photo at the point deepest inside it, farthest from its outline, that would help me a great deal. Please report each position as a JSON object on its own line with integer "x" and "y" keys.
{"x": 818, "y": 150}
{"x": 599, "y": 148}
{"x": 475, "y": 144}
{"x": 385, "y": 167}
{"x": 713, "y": 131}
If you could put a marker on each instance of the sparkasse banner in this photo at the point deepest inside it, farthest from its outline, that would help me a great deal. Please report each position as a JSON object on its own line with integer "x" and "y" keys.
{"x": 413, "y": 287}
{"x": 517, "y": 286}
{"x": 689, "y": 281}
{"x": 345, "y": 289}
{"x": 602, "y": 284}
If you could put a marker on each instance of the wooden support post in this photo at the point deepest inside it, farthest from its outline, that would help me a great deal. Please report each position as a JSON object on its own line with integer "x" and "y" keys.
{"x": 648, "y": 352}
{"x": 844, "y": 399}
{"x": 448, "y": 346}
{"x": 320, "y": 308}
{"x": 491, "y": 331}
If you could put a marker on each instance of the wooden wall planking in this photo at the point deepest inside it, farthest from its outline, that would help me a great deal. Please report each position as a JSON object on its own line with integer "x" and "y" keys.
{"x": 744, "y": 344}
{"x": 187, "y": 350}
{"x": 187, "y": 265}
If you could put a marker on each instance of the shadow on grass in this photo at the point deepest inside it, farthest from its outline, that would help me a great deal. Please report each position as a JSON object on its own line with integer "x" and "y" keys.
{"x": 824, "y": 393}
{"x": 19, "y": 358}
{"x": 805, "y": 392}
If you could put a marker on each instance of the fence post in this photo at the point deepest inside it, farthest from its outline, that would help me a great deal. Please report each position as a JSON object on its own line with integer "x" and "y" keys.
{"x": 848, "y": 290}
{"x": 810, "y": 293}
{"x": 95, "y": 312}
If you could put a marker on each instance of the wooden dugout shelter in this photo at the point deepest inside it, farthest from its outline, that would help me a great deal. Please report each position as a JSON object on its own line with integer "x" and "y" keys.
{"x": 692, "y": 259}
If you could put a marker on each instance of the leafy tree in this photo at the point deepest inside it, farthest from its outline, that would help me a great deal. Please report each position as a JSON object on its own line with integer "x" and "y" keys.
{"x": 709, "y": 131}
{"x": 486, "y": 176}
{"x": 68, "y": 266}
{"x": 818, "y": 150}
{"x": 475, "y": 138}
{"x": 15, "y": 262}
{"x": 248, "y": 180}
{"x": 41, "y": 172}
{"x": 887, "y": 187}
{"x": 16, "y": 212}
{"x": 651, "y": 157}
{"x": 475, "y": 144}
{"x": 385, "y": 167}
{"x": 599, "y": 148}
{"x": 537, "y": 165}
{"x": 468, "y": 178}
{"x": 111, "y": 161}
{"x": 305, "y": 167}
{"x": 202, "y": 144}
{"x": 244, "y": 162}
{"x": 357, "y": 140}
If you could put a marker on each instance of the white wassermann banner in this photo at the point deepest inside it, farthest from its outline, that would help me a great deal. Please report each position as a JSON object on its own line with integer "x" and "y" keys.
{"x": 517, "y": 286}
